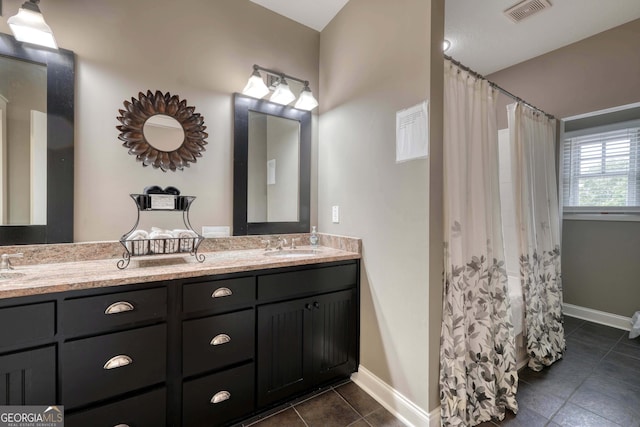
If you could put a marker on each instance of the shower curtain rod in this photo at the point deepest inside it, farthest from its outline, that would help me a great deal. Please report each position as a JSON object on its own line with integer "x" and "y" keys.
{"x": 495, "y": 85}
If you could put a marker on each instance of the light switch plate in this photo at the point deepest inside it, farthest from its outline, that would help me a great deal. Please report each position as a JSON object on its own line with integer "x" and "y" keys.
{"x": 335, "y": 214}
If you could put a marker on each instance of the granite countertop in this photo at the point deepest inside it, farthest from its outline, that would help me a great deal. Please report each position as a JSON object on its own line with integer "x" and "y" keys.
{"x": 68, "y": 276}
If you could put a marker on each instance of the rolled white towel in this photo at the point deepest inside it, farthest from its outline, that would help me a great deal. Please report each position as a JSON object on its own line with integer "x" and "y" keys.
{"x": 162, "y": 241}
{"x": 138, "y": 243}
{"x": 186, "y": 239}
{"x": 183, "y": 233}
{"x": 138, "y": 234}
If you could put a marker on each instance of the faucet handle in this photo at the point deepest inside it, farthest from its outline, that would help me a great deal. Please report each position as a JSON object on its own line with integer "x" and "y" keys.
{"x": 293, "y": 242}
{"x": 281, "y": 243}
{"x": 5, "y": 260}
{"x": 267, "y": 244}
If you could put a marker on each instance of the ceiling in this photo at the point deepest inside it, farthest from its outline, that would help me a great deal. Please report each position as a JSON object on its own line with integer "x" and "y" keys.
{"x": 315, "y": 14}
{"x": 481, "y": 36}
{"x": 484, "y": 39}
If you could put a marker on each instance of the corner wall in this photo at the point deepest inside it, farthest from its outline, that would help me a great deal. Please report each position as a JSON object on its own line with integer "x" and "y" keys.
{"x": 374, "y": 61}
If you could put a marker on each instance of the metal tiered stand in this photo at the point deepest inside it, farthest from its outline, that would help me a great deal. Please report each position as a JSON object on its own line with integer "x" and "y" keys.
{"x": 163, "y": 246}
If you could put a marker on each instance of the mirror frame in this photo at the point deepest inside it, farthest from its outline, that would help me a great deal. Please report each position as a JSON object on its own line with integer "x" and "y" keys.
{"x": 136, "y": 114}
{"x": 242, "y": 105}
{"x": 60, "y": 156}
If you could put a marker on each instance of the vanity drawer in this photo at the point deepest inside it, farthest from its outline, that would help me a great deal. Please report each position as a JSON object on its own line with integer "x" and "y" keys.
{"x": 219, "y": 295}
{"x": 90, "y": 315}
{"x": 145, "y": 410}
{"x": 27, "y": 323}
{"x": 231, "y": 390}
{"x": 295, "y": 284}
{"x": 217, "y": 341}
{"x": 105, "y": 366}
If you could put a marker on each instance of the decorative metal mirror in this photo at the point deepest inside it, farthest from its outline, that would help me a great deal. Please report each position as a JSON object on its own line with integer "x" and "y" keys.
{"x": 162, "y": 131}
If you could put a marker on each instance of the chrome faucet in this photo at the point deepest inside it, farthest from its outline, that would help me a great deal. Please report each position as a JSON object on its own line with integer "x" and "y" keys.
{"x": 5, "y": 260}
{"x": 280, "y": 242}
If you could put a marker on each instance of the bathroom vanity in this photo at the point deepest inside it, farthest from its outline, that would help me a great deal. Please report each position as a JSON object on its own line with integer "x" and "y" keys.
{"x": 206, "y": 344}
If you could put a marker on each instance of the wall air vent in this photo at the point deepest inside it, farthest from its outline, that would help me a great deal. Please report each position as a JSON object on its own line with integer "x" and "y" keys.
{"x": 525, "y": 9}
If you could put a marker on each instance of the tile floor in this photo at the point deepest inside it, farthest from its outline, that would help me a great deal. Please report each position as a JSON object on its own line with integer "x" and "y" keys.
{"x": 596, "y": 384}
{"x": 340, "y": 406}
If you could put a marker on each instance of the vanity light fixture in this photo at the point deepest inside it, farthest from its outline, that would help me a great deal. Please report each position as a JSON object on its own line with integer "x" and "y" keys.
{"x": 282, "y": 94}
{"x": 306, "y": 101}
{"x": 28, "y": 26}
{"x": 255, "y": 86}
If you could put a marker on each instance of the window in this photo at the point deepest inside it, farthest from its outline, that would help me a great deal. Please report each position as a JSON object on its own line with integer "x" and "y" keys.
{"x": 601, "y": 169}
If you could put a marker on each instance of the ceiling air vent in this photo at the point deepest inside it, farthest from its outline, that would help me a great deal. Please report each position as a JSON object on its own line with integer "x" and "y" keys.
{"x": 525, "y": 9}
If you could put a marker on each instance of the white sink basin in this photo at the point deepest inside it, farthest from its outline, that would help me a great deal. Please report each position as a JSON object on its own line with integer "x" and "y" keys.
{"x": 292, "y": 253}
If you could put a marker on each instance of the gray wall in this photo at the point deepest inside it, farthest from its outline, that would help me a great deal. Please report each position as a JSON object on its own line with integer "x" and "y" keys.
{"x": 600, "y": 258}
{"x": 374, "y": 61}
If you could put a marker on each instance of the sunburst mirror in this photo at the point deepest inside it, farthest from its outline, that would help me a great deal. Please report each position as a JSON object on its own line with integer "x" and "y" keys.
{"x": 162, "y": 131}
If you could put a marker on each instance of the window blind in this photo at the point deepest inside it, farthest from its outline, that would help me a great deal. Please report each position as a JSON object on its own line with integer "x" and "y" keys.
{"x": 602, "y": 171}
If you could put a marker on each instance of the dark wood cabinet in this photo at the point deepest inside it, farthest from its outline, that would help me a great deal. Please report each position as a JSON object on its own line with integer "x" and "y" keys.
{"x": 108, "y": 365}
{"x": 203, "y": 351}
{"x": 28, "y": 377}
{"x": 217, "y": 341}
{"x": 145, "y": 410}
{"x": 27, "y": 352}
{"x": 89, "y": 315}
{"x": 304, "y": 343}
{"x": 215, "y": 399}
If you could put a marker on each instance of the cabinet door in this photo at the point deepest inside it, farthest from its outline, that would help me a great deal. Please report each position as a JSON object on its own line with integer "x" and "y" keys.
{"x": 29, "y": 377}
{"x": 284, "y": 343}
{"x": 334, "y": 335}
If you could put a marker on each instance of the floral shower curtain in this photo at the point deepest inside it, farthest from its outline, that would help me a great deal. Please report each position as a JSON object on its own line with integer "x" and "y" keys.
{"x": 533, "y": 165}
{"x": 478, "y": 377}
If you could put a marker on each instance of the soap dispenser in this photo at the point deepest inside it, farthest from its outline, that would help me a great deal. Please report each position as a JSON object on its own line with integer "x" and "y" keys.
{"x": 313, "y": 239}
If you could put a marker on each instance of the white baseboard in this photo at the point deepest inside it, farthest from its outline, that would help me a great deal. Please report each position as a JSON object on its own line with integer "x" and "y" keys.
{"x": 596, "y": 316}
{"x": 396, "y": 403}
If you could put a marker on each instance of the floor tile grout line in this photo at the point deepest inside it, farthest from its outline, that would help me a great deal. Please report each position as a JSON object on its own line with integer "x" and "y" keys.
{"x": 300, "y": 416}
{"x": 575, "y": 390}
{"x": 351, "y": 406}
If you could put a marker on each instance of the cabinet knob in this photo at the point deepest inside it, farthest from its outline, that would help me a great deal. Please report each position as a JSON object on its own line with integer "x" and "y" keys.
{"x": 316, "y": 304}
{"x": 118, "y": 362}
{"x": 220, "y": 339}
{"x": 119, "y": 307}
{"x": 221, "y": 292}
{"x": 308, "y": 306}
{"x": 221, "y": 396}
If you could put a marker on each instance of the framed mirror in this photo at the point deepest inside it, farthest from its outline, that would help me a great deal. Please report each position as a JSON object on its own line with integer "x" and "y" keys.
{"x": 36, "y": 136}
{"x": 271, "y": 168}
{"x": 162, "y": 131}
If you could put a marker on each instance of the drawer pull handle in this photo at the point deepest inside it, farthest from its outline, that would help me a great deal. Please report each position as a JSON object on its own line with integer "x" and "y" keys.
{"x": 118, "y": 362}
{"x": 122, "y": 425}
{"x": 119, "y": 307}
{"x": 220, "y": 339}
{"x": 220, "y": 396}
{"x": 221, "y": 292}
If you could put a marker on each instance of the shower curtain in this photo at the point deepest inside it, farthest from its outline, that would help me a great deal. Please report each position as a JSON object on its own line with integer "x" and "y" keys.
{"x": 533, "y": 166}
{"x": 478, "y": 377}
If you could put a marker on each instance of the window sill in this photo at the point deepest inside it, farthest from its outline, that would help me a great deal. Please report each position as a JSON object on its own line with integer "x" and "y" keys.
{"x": 633, "y": 217}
